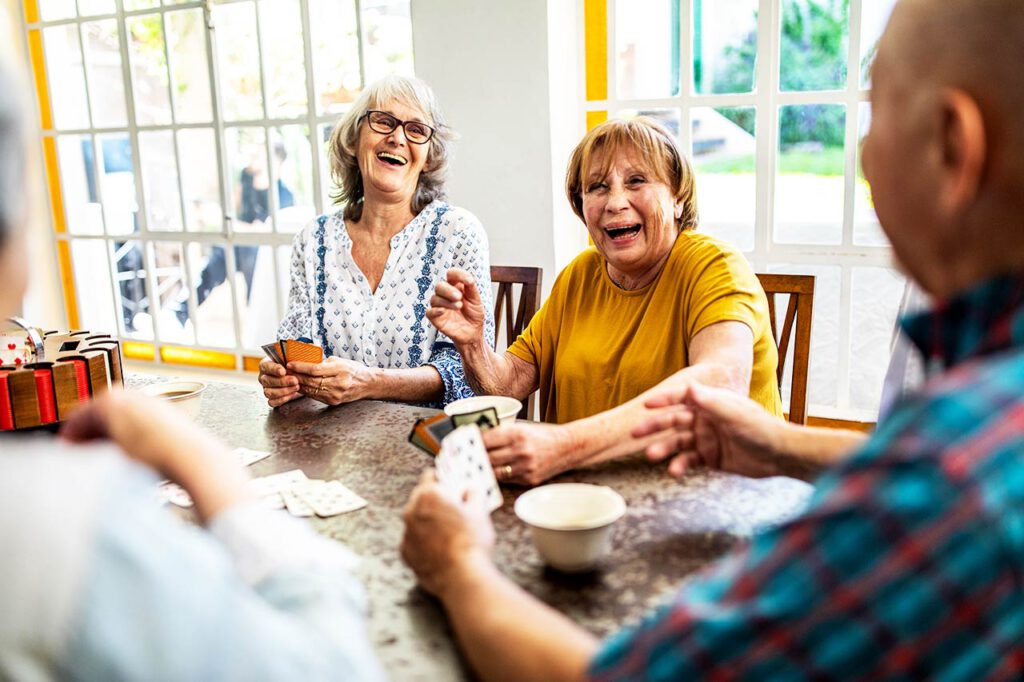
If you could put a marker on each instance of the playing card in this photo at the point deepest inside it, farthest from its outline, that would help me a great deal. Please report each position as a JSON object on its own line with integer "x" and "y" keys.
{"x": 272, "y": 501}
{"x": 439, "y": 427}
{"x": 300, "y": 351}
{"x": 275, "y": 484}
{"x": 246, "y": 456}
{"x": 328, "y": 498}
{"x": 484, "y": 419}
{"x": 175, "y": 494}
{"x": 463, "y": 466}
{"x": 271, "y": 350}
{"x": 295, "y": 505}
{"x": 416, "y": 439}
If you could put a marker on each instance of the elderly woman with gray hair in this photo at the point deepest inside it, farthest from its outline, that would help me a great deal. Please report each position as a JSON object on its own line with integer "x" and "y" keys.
{"x": 361, "y": 278}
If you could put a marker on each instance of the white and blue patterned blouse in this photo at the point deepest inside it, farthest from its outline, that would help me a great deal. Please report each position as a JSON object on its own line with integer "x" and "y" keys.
{"x": 331, "y": 303}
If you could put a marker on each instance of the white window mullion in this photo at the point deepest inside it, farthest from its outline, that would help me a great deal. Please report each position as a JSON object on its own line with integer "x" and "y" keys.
{"x": 613, "y": 85}
{"x": 359, "y": 43}
{"x": 316, "y": 144}
{"x": 766, "y": 127}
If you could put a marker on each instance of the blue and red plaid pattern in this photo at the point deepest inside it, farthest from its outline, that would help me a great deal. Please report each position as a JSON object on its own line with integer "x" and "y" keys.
{"x": 908, "y": 562}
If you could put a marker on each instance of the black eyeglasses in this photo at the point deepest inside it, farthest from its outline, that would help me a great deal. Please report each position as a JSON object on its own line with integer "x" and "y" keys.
{"x": 385, "y": 124}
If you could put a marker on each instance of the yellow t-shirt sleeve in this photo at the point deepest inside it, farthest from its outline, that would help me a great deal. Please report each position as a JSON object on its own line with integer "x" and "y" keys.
{"x": 542, "y": 331}
{"x": 725, "y": 289}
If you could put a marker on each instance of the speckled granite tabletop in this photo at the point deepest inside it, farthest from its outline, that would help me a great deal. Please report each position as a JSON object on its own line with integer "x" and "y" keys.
{"x": 671, "y": 528}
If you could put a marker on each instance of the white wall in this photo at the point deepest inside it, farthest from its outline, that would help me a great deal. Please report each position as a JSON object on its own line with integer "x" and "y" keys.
{"x": 489, "y": 62}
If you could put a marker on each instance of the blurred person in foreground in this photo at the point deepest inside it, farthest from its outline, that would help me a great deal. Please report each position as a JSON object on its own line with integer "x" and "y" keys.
{"x": 653, "y": 303}
{"x": 909, "y": 560}
{"x": 99, "y": 583}
{"x": 361, "y": 277}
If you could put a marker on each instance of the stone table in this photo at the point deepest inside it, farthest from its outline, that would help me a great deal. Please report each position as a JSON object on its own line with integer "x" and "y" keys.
{"x": 671, "y": 528}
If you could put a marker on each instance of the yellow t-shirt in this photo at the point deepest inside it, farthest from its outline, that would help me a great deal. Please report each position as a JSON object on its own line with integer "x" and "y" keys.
{"x": 597, "y": 346}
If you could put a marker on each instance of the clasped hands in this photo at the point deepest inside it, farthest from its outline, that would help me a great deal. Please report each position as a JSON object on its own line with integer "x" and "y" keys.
{"x": 332, "y": 382}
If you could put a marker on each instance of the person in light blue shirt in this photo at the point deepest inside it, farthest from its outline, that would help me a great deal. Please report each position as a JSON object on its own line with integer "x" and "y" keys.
{"x": 98, "y": 582}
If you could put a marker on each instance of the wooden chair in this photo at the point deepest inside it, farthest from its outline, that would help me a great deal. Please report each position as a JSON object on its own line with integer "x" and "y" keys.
{"x": 516, "y": 318}
{"x": 800, "y": 289}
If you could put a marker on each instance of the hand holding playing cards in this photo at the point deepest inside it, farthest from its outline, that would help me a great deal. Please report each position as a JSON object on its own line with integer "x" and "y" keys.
{"x": 163, "y": 438}
{"x": 333, "y": 381}
{"x": 443, "y": 537}
{"x": 456, "y": 309}
{"x": 279, "y": 387}
{"x": 527, "y": 452}
{"x": 716, "y": 428}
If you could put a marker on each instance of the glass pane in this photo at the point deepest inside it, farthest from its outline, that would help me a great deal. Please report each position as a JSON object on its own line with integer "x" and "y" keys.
{"x": 283, "y": 57}
{"x": 250, "y": 180}
{"x": 874, "y": 302}
{"x": 327, "y": 187}
{"x": 50, "y": 10}
{"x": 171, "y": 293}
{"x": 130, "y": 5}
{"x": 667, "y": 117}
{"x": 284, "y": 265}
{"x": 866, "y": 230}
{"x": 814, "y": 44}
{"x": 724, "y": 154}
{"x": 724, "y": 46}
{"x": 186, "y": 39}
{"x": 66, "y": 77}
{"x": 823, "y": 372}
{"x": 387, "y": 38}
{"x": 874, "y": 17}
{"x": 160, "y": 180}
{"x": 238, "y": 60}
{"x": 76, "y": 156}
{"x": 106, "y": 77}
{"x": 214, "y": 319}
{"x": 93, "y": 7}
{"x": 93, "y": 284}
{"x": 149, "y": 70}
{"x": 256, "y": 290}
{"x": 293, "y": 164}
{"x": 131, "y": 290}
{"x": 809, "y": 188}
{"x": 647, "y": 48}
{"x": 335, "y": 42}
{"x": 197, "y": 152}
{"x": 117, "y": 183}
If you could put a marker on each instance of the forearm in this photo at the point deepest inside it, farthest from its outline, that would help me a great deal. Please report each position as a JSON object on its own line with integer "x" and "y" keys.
{"x": 803, "y": 452}
{"x": 417, "y": 385}
{"x": 489, "y": 373}
{"x": 508, "y": 634}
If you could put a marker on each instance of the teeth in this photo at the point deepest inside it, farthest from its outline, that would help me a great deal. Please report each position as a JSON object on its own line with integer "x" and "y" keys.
{"x": 392, "y": 157}
{"x": 625, "y": 231}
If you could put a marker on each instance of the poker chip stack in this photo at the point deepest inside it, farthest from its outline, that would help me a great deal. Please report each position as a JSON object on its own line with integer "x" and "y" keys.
{"x": 45, "y": 376}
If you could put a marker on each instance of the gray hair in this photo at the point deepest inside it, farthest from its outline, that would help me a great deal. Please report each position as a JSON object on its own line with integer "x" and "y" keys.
{"x": 345, "y": 139}
{"x": 12, "y": 160}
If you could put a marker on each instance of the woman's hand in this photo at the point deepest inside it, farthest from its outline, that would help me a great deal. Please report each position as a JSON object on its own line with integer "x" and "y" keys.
{"x": 279, "y": 387}
{"x": 456, "y": 309}
{"x": 528, "y": 453}
{"x": 443, "y": 536}
{"x": 716, "y": 428}
{"x": 334, "y": 381}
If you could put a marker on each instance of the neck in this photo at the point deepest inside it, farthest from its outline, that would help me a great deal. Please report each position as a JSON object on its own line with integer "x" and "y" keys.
{"x": 637, "y": 279}
{"x": 385, "y": 218}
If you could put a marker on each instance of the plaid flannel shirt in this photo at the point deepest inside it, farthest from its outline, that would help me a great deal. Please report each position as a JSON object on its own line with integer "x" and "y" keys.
{"x": 908, "y": 561}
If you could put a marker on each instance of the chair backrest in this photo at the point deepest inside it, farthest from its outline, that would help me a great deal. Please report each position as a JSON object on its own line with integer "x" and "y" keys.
{"x": 516, "y": 317}
{"x": 800, "y": 289}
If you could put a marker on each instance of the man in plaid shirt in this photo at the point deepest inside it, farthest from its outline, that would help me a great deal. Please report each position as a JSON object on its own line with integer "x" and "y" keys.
{"x": 908, "y": 562}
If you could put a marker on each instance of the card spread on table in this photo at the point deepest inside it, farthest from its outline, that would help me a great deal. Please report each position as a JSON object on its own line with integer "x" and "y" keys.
{"x": 328, "y": 498}
{"x": 275, "y": 483}
{"x": 295, "y": 505}
{"x": 463, "y": 466}
{"x": 245, "y": 456}
{"x": 175, "y": 494}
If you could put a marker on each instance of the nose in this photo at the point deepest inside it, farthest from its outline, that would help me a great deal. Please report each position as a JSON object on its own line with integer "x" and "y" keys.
{"x": 617, "y": 200}
{"x": 398, "y": 135}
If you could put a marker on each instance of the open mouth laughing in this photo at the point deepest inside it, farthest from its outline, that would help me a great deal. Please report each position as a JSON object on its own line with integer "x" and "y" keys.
{"x": 392, "y": 159}
{"x": 622, "y": 232}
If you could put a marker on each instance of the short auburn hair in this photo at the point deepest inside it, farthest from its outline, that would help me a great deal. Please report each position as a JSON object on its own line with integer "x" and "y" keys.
{"x": 648, "y": 140}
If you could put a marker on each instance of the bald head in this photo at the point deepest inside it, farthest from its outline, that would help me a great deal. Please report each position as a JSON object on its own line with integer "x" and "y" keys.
{"x": 973, "y": 45}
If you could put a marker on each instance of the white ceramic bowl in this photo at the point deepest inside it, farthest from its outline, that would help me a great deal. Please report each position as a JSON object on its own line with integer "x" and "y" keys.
{"x": 185, "y": 395}
{"x": 507, "y": 408}
{"x": 571, "y": 522}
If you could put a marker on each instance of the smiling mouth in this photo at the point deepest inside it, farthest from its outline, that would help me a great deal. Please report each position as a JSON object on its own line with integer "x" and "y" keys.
{"x": 392, "y": 159}
{"x": 618, "y": 233}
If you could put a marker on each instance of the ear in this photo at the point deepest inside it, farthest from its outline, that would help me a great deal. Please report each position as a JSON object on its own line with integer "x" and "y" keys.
{"x": 964, "y": 150}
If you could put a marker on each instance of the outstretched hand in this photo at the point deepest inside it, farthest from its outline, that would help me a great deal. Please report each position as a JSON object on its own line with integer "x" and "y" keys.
{"x": 456, "y": 308}
{"x": 713, "y": 427}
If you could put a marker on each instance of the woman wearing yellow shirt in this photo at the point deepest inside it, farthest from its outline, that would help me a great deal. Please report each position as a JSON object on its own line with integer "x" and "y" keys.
{"x": 652, "y": 303}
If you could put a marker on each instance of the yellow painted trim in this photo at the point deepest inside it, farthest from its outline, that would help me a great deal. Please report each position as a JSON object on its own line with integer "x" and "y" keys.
{"x": 31, "y": 11}
{"x": 250, "y": 363}
{"x": 595, "y": 38}
{"x": 53, "y": 184}
{"x": 137, "y": 350}
{"x": 35, "y": 50}
{"x": 181, "y": 355}
{"x": 596, "y": 118}
{"x": 67, "y": 283}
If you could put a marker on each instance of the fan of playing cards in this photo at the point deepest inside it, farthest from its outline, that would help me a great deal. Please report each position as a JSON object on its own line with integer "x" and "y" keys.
{"x": 294, "y": 350}
{"x": 290, "y": 490}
